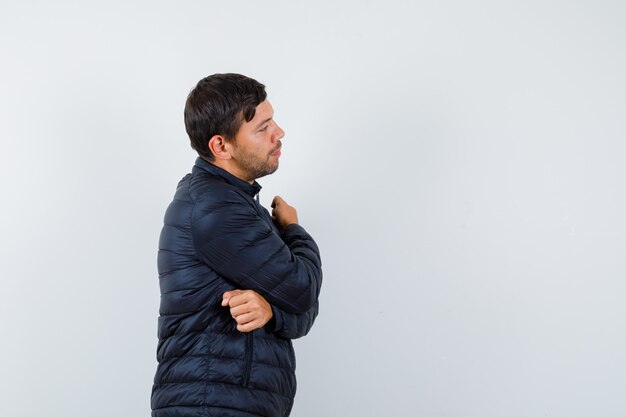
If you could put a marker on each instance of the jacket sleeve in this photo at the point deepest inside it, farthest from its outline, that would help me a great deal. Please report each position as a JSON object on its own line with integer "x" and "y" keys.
{"x": 293, "y": 326}
{"x": 234, "y": 240}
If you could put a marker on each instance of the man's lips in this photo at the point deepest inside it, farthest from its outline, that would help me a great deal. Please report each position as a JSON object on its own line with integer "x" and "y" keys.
{"x": 276, "y": 152}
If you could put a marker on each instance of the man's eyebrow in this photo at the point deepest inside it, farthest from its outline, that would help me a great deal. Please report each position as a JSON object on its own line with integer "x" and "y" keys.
{"x": 262, "y": 123}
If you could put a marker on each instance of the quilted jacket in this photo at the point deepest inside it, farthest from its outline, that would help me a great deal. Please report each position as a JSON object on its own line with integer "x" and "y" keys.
{"x": 216, "y": 237}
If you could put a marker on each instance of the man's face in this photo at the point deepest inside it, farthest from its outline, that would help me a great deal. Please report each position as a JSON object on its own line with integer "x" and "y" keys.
{"x": 257, "y": 144}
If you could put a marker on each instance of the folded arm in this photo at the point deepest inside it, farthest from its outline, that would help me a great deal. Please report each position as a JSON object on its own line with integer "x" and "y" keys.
{"x": 251, "y": 311}
{"x": 236, "y": 242}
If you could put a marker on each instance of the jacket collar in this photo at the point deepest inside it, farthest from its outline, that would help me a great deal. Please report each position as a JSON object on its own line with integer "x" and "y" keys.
{"x": 251, "y": 189}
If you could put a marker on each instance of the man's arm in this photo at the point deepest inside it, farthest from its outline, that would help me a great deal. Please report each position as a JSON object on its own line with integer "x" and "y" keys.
{"x": 293, "y": 326}
{"x": 251, "y": 311}
{"x": 288, "y": 325}
{"x": 234, "y": 240}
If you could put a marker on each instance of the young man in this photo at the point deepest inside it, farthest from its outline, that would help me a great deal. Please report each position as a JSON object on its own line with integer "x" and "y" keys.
{"x": 237, "y": 284}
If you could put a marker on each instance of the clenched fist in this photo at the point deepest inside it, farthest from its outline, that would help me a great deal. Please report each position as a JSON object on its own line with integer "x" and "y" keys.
{"x": 282, "y": 213}
{"x": 248, "y": 308}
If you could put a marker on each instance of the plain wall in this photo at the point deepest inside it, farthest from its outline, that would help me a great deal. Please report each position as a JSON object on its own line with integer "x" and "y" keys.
{"x": 461, "y": 165}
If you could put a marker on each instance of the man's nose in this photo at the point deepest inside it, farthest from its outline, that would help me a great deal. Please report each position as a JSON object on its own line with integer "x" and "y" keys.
{"x": 280, "y": 133}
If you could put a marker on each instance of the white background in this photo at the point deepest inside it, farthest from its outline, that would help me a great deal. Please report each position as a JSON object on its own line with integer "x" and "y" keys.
{"x": 461, "y": 165}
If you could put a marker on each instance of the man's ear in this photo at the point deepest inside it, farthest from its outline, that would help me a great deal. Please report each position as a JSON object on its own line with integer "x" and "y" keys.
{"x": 218, "y": 145}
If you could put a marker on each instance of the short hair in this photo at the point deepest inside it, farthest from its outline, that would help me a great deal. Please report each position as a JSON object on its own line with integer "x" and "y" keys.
{"x": 218, "y": 105}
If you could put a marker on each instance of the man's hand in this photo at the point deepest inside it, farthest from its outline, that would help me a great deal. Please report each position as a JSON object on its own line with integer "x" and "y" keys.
{"x": 282, "y": 213}
{"x": 248, "y": 308}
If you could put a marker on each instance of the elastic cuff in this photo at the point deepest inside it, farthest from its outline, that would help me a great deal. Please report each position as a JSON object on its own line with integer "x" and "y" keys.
{"x": 276, "y": 323}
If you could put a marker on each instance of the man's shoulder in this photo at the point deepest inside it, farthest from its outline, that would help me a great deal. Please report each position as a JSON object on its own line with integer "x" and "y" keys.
{"x": 209, "y": 190}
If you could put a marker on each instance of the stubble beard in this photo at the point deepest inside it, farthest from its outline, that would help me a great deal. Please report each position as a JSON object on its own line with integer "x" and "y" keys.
{"x": 255, "y": 167}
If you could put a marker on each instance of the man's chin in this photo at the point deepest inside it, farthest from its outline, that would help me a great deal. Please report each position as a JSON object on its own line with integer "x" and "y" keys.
{"x": 272, "y": 169}
{"x": 269, "y": 171}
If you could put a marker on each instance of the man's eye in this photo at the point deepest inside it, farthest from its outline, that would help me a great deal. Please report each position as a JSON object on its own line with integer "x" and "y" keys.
{"x": 263, "y": 129}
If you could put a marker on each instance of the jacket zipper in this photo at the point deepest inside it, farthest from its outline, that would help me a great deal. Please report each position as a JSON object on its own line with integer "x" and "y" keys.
{"x": 248, "y": 360}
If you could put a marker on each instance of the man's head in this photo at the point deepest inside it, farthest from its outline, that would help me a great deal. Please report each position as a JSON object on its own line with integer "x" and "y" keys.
{"x": 230, "y": 123}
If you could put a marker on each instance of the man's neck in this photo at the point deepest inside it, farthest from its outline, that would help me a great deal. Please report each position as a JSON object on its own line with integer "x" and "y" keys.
{"x": 228, "y": 166}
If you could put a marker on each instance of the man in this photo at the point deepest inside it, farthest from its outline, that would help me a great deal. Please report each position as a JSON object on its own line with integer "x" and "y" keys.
{"x": 236, "y": 283}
